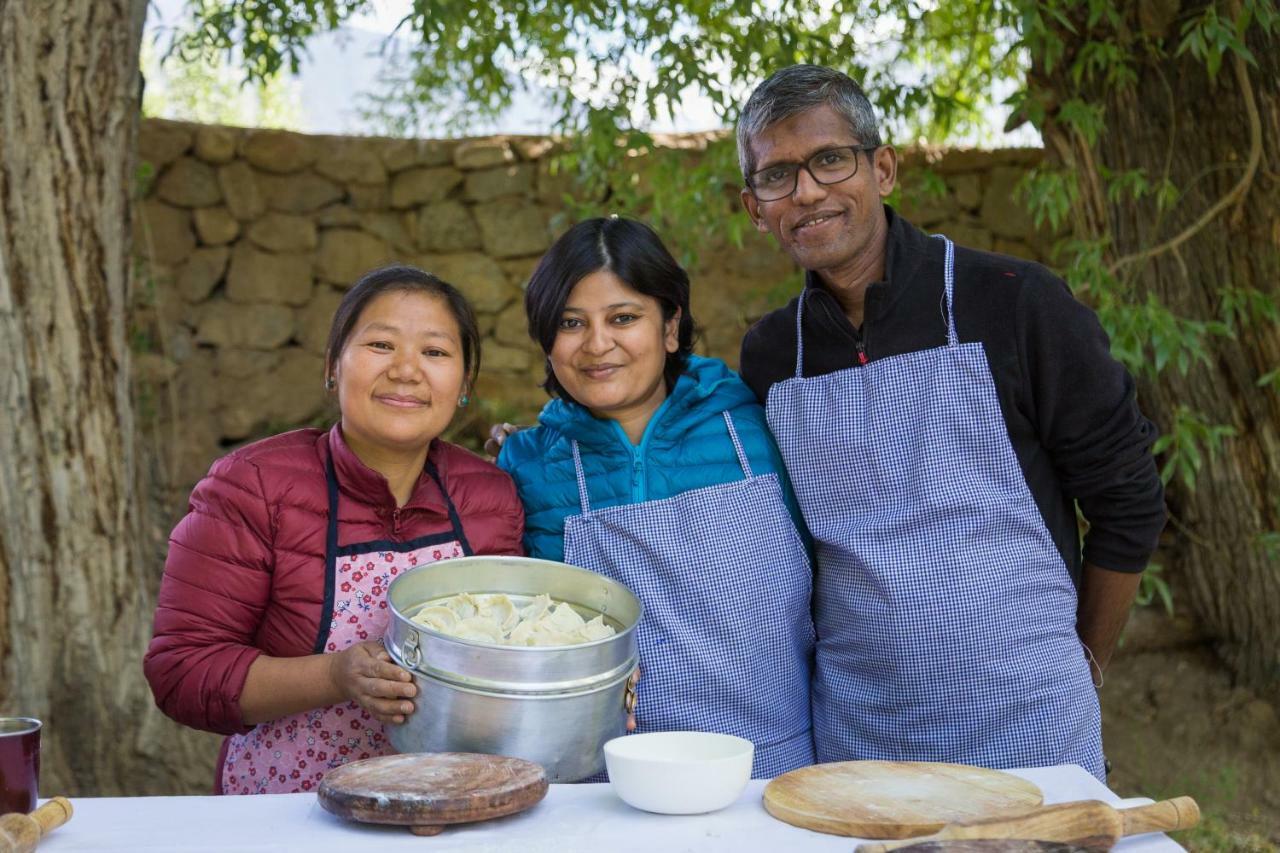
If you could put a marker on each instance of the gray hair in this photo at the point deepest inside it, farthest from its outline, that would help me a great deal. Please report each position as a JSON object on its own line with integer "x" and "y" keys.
{"x": 796, "y": 89}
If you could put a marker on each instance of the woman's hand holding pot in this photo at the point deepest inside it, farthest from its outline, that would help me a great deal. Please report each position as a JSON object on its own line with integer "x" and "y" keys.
{"x": 364, "y": 674}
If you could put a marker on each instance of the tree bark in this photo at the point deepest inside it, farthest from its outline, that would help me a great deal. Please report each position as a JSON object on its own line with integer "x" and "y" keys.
{"x": 1219, "y": 141}
{"x": 77, "y": 584}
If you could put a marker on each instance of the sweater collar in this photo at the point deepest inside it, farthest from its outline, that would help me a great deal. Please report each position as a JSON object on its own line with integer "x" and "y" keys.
{"x": 361, "y": 483}
{"x": 906, "y": 251}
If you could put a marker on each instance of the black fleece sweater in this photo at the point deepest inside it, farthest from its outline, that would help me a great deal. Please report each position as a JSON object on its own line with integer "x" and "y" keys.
{"x": 1068, "y": 405}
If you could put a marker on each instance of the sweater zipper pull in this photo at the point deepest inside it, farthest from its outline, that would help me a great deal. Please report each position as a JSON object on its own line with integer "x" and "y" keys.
{"x": 862, "y": 353}
{"x": 395, "y": 521}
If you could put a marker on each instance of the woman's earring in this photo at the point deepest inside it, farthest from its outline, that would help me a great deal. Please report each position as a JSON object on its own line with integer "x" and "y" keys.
{"x": 463, "y": 400}
{"x": 330, "y": 383}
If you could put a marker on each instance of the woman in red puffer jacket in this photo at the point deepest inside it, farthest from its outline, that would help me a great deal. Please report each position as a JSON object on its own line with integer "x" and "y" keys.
{"x": 273, "y": 602}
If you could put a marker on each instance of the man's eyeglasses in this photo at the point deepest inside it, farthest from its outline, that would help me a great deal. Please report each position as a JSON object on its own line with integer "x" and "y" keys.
{"x": 826, "y": 167}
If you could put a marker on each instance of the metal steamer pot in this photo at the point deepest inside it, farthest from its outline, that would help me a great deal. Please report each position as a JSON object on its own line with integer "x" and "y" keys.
{"x": 553, "y": 705}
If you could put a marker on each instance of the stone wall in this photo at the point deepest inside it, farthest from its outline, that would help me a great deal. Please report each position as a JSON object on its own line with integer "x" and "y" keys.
{"x": 248, "y": 239}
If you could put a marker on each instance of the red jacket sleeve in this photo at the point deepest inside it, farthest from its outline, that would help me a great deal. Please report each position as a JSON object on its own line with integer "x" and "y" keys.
{"x": 494, "y": 516}
{"x": 216, "y": 584}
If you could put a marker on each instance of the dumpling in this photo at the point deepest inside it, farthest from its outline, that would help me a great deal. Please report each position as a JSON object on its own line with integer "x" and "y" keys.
{"x": 436, "y": 618}
{"x": 464, "y": 604}
{"x": 500, "y": 609}
{"x": 479, "y": 628}
{"x": 547, "y": 635}
{"x": 534, "y": 609}
{"x": 522, "y": 634}
{"x": 565, "y": 618}
{"x": 495, "y": 619}
{"x": 596, "y": 629}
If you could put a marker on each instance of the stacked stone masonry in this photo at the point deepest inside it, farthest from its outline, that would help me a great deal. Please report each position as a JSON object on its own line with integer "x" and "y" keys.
{"x": 247, "y": 240}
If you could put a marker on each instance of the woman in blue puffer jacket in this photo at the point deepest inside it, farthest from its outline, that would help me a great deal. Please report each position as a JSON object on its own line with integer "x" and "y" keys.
{"x": 655, "y": 467}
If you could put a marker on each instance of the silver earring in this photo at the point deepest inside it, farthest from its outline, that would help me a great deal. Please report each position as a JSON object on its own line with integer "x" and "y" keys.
{"x": 463, "y": 400}
{"x": 330, "y": 383}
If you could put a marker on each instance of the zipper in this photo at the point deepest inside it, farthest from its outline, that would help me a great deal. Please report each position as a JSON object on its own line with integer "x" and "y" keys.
{"x": 395, "y": 521}
{"x": 862, "y": 352}
{"x": 639, "y": 486}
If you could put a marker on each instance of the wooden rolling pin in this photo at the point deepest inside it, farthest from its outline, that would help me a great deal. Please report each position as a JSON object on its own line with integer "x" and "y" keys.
{"x": 1087, "y": 823}
{"x": 20, "y": 833}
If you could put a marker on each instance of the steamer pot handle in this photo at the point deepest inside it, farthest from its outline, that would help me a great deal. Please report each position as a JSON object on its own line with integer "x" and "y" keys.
{"x": 410, "y": 652}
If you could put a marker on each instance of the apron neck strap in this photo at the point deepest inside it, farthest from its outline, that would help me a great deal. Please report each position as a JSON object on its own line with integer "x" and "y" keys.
{"x": 800, "y": 334}
{"x": 585, "y": 502}
{"x": 582, "y": 480}
{"x": 454, "y": 519}
{"x": 331, "y": 528}
{"x": 737, "y": 445}
{"x": 331, "y": 531}
{"x": 948, "y": 285}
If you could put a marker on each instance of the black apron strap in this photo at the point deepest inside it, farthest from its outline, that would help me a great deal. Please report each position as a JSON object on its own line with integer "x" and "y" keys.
{"x": 330, "y": 555}
{"x": 331, "y": 548}
{"x": 454, "y": 519}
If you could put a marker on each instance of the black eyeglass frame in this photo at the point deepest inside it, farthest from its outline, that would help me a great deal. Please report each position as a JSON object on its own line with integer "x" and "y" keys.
{"x": 796, "y": 167}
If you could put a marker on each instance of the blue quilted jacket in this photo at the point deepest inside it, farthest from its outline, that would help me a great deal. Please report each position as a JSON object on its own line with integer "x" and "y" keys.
{"x": 686, "y": 446}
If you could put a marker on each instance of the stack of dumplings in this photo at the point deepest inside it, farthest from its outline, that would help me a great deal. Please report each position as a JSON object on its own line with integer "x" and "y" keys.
{"x": 495, "y": 619}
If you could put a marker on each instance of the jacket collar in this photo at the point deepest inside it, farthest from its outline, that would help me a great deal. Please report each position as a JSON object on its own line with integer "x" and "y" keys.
{"x": 705, "y": 389}
{"x": 909, "y": 253}
{"x": 359, "y": 482}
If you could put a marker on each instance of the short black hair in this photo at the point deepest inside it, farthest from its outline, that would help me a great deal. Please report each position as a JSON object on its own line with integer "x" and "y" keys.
{"x": 404, "y": 279}
{"x": 634, "y": 253}
{"x": 796, "y": 89}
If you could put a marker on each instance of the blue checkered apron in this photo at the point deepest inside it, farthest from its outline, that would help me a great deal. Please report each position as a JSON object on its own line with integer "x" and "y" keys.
{"x": 726, "y": 641}
{"x": 945, "y": 613}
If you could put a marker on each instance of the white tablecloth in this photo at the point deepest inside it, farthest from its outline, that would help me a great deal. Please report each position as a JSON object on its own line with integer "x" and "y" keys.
{"x": 571, "y": 818}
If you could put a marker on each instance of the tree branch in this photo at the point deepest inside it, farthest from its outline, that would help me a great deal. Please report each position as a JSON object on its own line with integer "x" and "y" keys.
{"x": 1237, "y": 193}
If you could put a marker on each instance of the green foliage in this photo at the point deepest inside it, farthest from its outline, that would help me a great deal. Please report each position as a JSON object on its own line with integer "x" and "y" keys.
{"x": 143, "y": 177}
{"x": 1243, "y": 307}
{"x": 1049, "y": 195}
{"x": 1211, "y": 36}
{"x": 1188, "y": 443}
{"x": 1153, "y": 587}
{"x": 921, "y": 187}
{"x": 1148, "y": 337}
{"x": 211, "y": 89}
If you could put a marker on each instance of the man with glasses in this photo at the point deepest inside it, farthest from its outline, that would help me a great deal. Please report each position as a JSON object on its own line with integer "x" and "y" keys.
{"x": 942, "y": 412}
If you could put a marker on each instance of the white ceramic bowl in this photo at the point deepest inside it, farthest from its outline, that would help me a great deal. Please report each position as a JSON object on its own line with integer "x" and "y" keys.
{"x": 679, "y": 772}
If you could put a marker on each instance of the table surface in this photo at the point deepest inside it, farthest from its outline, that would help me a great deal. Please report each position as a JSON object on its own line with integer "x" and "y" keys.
{"x": 571, "y": 818}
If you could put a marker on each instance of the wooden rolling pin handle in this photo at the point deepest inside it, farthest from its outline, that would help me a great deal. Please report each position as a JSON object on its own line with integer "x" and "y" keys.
{"x": 20, "y": 833}
{"x": 52, "y": 814}
{"x": 1164, "y": 816}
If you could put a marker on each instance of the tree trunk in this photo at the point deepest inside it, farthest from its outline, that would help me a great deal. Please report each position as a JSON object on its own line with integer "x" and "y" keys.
{"x": 1219, "y": 141}
{"x": 76, "y": 591}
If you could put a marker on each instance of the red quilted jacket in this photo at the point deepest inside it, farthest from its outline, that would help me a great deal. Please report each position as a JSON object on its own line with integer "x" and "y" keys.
{"x": 246, "y": 568}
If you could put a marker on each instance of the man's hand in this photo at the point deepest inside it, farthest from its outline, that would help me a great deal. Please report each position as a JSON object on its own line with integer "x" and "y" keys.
{"x": 364, "y": 674}
{"x": 498, "y": 436}
{"x": 1105, "y": 600}
{"x": 631, "y": 699}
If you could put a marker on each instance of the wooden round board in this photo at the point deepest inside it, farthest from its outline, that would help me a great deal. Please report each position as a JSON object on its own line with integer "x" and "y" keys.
{"x": 430, "y": 790}
{"x": 894, "y": 799}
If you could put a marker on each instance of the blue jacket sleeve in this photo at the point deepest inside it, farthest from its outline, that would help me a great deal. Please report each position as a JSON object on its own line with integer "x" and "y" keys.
{"x": 522, "y": 458}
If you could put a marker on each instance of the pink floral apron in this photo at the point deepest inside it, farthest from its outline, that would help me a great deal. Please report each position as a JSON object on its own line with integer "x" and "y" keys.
{"x": 292, "y": 754}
